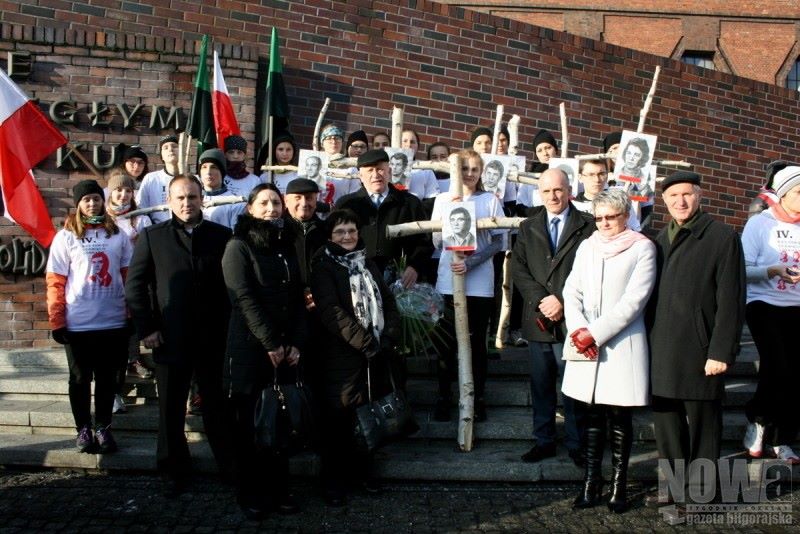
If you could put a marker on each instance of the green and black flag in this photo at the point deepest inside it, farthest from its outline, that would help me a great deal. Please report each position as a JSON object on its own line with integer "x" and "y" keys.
{"x": 276, "y": 104}
{"x": 201, "y": 120}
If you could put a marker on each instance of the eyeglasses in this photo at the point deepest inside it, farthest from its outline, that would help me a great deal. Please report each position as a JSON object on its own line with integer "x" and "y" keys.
{"x": 595, "y": 175}
{"x": 343, "y": 233}
{"x": 359, "y": 146}
{"x": 607, "y": 218}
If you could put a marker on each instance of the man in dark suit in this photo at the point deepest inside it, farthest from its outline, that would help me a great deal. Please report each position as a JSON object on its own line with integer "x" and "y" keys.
{"x": 177, "y": 298}
{"x": 379, "y": 204}
{"x": 695, "y": 317}
{"x": 541, "y": 261}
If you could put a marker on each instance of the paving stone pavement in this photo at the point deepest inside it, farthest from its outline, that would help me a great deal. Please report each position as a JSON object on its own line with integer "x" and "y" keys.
{"x": 33, "y": 501}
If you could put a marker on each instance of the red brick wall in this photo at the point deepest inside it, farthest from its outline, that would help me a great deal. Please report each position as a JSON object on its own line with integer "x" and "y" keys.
{"x": 449, "y": 67}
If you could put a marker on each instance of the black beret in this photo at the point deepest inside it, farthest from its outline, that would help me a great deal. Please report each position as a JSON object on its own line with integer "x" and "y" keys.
{"x": 235, "y": 142}
{"x": 680, "y": 177}
{"x": 301, "y": 186}
{"x": 358, "y": 135}
{"x": 611, "y": 139}
{"x": 167, "y": 139}
{"x": 86, "y": 187}
{"x": 372, "y": 157}
{"x": 479, "y": 131}
{"x": 543, "y": 136}
{"x": 134, "y": 152}
{"x": 215, "y": 156}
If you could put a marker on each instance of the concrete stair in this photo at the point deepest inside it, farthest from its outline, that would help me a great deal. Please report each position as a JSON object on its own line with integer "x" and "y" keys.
{"x": 36, "y": 425}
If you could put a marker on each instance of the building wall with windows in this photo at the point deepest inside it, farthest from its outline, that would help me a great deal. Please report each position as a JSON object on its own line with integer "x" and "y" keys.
{"x": 95, "y": 62}
{"x": 754, "y": 39}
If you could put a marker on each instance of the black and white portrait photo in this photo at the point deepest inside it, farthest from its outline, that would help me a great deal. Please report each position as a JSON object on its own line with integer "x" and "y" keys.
{"x": 459, "y": 226}
{"x": 400, "y": 160}
{"x": 635, "y": 157}
{"x": 495, "y": 173}
{"x": 570, "y": 167}
{"x": 312, "y": 165}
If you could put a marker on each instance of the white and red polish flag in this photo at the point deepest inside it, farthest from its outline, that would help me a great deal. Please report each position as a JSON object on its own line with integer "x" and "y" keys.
{"x": 26, "y": 138}
{"x": 225, "y": 123}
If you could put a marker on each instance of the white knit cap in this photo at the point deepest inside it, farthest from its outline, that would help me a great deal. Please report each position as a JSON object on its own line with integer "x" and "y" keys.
{"x": 785, "y": 180}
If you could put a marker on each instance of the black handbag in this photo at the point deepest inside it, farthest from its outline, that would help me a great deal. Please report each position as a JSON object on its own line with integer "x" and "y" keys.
{"x": 383, "y": 420}
{"x": 283, "y": 416}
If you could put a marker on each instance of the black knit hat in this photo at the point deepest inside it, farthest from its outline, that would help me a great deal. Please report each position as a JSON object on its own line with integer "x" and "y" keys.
{"x": 372, "y": 157}
{"x": 171, "y": 138}
{"x": 611, "y": 139}
{"x": 358, "y": 135}
{"x": 479, "y": 131}
{"x": 302, "y": 186}
{"x": 134, "y": 152}
{"x": 235, "y": 142}
{"x": 772, "y": 169}
{"x": 215, "y": 156}
{"x": 543, "y": 136}
{"x": 86, "y": 187}
{"x": 680, "y": 177}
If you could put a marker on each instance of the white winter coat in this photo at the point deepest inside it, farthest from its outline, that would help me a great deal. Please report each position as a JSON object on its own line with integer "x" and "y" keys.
{"x": 621, "y": 374}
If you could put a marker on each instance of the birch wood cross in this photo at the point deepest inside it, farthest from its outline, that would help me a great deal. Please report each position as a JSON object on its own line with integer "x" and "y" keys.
{"x": 466, "y": 386}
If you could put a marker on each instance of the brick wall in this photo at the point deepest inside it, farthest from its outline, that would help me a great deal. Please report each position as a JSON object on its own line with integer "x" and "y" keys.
{"x": 447, "y": 66}
{"x": 761, "y": 50}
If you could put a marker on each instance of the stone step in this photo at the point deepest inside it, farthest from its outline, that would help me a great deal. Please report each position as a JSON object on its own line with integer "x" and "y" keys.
{"x": 514, "y": 362}
{"x": 516, "y": 392}
{"x": 504, "y": 423}
{"x": 489, "y": 461}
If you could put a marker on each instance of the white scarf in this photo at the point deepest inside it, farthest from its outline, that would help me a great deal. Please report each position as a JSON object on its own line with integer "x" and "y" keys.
{"x": 364, "y": 292}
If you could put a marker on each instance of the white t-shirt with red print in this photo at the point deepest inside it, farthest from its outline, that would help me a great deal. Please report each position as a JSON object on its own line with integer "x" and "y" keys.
{"x": 95, "y": 292}
{"x": 766, "y": 242}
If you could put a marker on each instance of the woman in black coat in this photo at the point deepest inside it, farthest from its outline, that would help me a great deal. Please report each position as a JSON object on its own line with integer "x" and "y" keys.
{"x": 266, "y": 335}
{"x": 356, "y": 334}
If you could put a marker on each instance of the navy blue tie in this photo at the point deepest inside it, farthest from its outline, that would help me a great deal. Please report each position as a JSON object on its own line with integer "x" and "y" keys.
{"x": 554, "y": 234}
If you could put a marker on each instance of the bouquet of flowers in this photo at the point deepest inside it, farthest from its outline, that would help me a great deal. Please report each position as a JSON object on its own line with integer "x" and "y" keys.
{"x": 421, "y": 307}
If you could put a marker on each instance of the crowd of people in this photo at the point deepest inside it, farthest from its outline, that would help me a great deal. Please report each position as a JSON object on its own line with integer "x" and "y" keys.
{"x": 237, "y": 297}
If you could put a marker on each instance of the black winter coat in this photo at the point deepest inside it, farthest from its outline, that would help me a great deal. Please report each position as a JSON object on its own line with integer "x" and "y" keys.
{"x": 398, "y": 207}
{"x": 697, "y": 308}
{"x": 267, "y": 310}
{"x": 183, "y": 273}
{"x": 538, "y": 273}
{"x": 309, "y": 237}
{"x": 342, "y": 365}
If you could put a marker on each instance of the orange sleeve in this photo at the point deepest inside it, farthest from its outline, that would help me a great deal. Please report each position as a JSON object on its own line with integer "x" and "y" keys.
{"x": 56, "y": 300}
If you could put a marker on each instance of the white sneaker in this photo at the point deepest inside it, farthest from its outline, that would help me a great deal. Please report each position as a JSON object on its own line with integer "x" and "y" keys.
{"x": 754, "y": 439}
{"x": 119, "y": 405}
{"x": 786, "y": 454}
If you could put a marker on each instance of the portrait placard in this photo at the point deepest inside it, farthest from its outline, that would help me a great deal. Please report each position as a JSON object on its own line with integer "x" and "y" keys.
{"x": 400, "y": 160}
{"x": 635, "y": 157}
{"x": 312, "y": 165}
{"x": 459, "y": 226}
{"x": 495, "y": 173}
{"x": 569, "y": 166}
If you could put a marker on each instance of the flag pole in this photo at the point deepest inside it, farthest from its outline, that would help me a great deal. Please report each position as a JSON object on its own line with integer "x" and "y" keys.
{"x": 269, "y": 146}
{"x": 322, "y": 112}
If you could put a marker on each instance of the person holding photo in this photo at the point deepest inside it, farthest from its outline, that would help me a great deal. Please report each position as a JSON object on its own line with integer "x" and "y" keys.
{"x": 479, "y": 270}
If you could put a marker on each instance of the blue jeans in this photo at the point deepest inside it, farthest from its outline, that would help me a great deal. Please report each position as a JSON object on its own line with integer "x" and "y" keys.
{"x": 547, "y": 371}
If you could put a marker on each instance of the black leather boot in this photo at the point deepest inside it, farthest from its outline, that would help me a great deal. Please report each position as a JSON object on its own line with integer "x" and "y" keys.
{"x": 621, "y": 440}
{"x": 593, "y": 481}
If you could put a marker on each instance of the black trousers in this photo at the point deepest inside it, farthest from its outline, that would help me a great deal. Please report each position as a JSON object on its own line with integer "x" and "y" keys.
{"x": 173, "y": 380}
{"x": 479, "y": 310}
{"x": 133, "y": 355}
{"x": 342, "y": 465}
{"x": 772, "y": 328}
{"x": 94, "y": 355}
{"x": 261, "y": 475}
{"x": 687, "y": 429}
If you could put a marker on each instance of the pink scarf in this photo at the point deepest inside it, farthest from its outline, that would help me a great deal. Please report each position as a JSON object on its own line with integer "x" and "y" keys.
{"x": 780, "y": 214}
{"x": 611, "y": 246}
